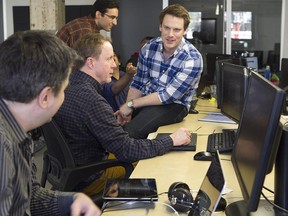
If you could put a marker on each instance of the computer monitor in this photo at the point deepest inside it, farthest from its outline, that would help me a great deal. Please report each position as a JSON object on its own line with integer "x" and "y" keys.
{"x": 211, "y": 65}
{"x": 255, "y": 145}
{"x": 283, "y": 83}
{"x": 208, "y": 33}
{"x": 251, "y": 62}
{"x": 255, "y": 53}
{"x": 219, "y": 70}
{"x": 284, "y": 74}
{"x": 234, "y": 84}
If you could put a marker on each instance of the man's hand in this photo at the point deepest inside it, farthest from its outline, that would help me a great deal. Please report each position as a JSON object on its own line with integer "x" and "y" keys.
{"x": 122, "y": 120}
{"x": 130, "y": 69}
{"x": 83, "y": 205}
{"x": 181, "y": 137}
{"x": 125, "y": 111}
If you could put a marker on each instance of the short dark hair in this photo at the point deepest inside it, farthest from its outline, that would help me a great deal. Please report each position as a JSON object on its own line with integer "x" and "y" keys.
{"x": 32, "y": 60}
{"x": 176, "y": 10}
{"x": 103, "y": 5}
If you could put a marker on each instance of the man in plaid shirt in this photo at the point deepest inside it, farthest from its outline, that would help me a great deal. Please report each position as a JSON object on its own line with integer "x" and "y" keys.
{"x": 104, "y": 16}
{"x": 168, "y": 73}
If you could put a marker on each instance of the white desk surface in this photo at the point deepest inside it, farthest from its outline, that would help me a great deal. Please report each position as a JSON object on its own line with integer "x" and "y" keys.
{"x": 180, "y": 166}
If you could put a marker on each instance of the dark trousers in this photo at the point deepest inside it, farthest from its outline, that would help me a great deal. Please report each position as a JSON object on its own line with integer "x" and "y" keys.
{"x": 147, "y": 119}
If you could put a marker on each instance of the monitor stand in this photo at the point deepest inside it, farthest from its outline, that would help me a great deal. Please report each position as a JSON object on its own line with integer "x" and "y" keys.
{"x": 264, "y": 209}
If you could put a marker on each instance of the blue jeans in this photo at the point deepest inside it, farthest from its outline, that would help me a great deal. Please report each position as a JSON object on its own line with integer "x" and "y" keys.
{"x": 147, "y": 119}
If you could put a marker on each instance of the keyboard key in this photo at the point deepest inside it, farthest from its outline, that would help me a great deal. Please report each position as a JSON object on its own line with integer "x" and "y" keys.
{"x": 223, "y": 142}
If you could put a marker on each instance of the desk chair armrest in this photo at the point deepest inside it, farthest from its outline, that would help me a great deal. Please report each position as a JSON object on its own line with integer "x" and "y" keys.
{"x": 82, "y": 173}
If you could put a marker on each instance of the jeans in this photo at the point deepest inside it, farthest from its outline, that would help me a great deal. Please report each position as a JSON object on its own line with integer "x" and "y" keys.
{"x": 147, "y": 119}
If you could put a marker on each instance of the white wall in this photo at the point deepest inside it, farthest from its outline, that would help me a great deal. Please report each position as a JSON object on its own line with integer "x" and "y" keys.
{"x": 284, "y": 31}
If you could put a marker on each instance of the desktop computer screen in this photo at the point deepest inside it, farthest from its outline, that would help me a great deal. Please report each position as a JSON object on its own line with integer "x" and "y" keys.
{"x": 283, "y": 83}
{"x": 251, "y": 62}
{"x": 284, "y": 74}
{"x": 211, "y": 65}
{"x": 234, "y": 84}
{"x": 255, "y": 144}
{"x": 219, "y": 70}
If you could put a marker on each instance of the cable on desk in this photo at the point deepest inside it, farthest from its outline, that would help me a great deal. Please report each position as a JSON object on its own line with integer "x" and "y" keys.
{"x": 273, "y": 204}
{"x": 268, "y": 189}
{"x": 203, "y": 134}
{"x": 198, "y": 128}
{"x": 165, "y": 204}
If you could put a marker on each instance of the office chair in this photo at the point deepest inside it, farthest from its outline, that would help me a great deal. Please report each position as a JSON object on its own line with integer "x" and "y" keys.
{"x": 59, "y": 167}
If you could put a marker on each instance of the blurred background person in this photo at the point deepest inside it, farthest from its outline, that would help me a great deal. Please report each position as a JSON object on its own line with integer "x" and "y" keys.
{"x": 104, "y": 16}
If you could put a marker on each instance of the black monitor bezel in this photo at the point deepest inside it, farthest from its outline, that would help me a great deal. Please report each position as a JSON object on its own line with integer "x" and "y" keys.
{"x": 218, "y": 76}
{"x": 211, "y": 59}
{"x": 252, "y": 197}
{"x": 227, "y": 107}
{"x": 283, "y": 83}
{"x": 251, "y": 58}
{"x": 208, "y": 32}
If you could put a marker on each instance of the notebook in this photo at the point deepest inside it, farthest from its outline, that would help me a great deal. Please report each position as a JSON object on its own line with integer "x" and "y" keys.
{"x": 134, "y": 189}
{"x": 217, "y": 117}
{"x": 190, "y": 147}
{"x": 211, "y": 189}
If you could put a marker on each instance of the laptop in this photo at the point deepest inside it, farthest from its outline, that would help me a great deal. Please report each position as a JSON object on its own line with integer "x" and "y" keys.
{"x": 190, "y": 147}
{"x": 211, "y": 190}
{"x": 134, "y": 189}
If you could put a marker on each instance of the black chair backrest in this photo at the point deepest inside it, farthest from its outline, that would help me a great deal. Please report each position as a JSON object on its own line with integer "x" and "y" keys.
{"x": 57, "y": 146}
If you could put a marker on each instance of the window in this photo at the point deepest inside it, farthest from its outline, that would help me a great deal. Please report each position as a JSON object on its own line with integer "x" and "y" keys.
{"x": 241, "y": 25}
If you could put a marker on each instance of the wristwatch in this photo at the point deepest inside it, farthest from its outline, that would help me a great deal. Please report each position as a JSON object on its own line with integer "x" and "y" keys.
{"x": 130, "y": 104}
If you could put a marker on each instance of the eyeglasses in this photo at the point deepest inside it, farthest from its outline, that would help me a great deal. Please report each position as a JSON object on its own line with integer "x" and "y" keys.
{"x": 112, "y": 17}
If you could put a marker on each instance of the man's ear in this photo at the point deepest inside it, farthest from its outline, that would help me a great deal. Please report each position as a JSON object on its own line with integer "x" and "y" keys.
{"x": 45, "y": 97}
{"x": 98, "y": 15}
{"x": 89, "y": 62}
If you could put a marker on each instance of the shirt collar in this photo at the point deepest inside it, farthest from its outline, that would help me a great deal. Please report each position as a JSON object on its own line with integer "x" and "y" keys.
{"x": 81, "y": 77}
{"x": 93, "y": 23}
{"x": 11, "y": 121}
{"x": 181, "y": 47}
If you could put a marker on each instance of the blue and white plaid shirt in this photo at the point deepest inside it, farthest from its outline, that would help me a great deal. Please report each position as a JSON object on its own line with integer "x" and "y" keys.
{"x": 175, "y": 80}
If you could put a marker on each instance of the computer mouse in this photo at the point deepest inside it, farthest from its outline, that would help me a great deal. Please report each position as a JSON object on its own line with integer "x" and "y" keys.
{"x": 203, "y": 156}
{"x": 193, "y": 111}
{"x": 205, "y": 95}
{"x": 221, "y": 205}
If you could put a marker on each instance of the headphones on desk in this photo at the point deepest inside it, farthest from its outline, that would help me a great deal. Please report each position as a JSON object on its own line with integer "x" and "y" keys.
{"x": 180, "y": 196}
{"x": 182, "y": 200}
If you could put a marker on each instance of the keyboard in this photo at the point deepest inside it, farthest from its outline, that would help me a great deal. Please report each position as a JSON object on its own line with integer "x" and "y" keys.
{"x": 223, "y": 142}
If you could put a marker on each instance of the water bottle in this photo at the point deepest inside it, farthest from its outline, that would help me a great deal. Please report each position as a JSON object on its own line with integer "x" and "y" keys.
{"x": 267, "y": 72}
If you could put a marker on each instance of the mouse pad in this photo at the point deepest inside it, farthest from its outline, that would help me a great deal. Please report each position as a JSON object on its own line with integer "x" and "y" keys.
{"x": 190, "y": 147}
